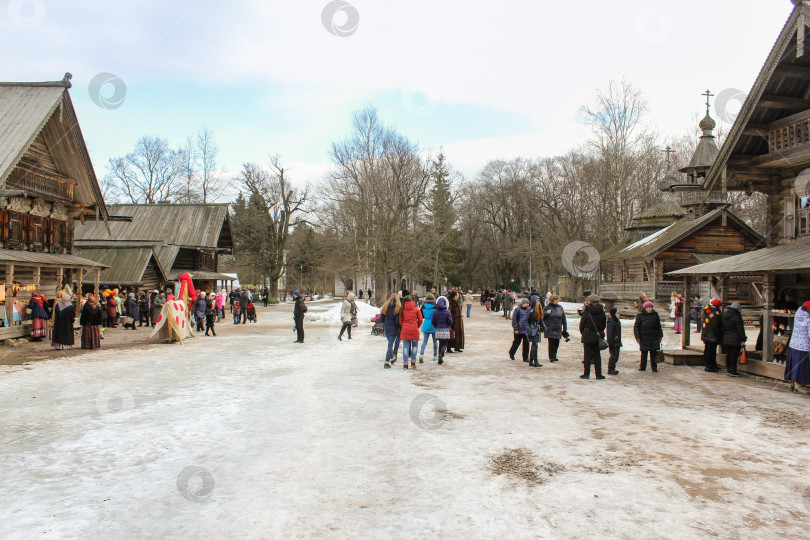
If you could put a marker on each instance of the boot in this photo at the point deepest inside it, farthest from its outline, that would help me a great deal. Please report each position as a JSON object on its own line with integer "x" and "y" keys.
{"x": 612, "y": 367}
{"x": 387, "y": 365}
{"x": 421, "y": 359}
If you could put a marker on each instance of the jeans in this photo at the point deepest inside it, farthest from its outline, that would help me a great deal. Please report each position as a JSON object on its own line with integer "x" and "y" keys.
{"x": 346, "y": 326}
{"x": 469, "y": 307}
{"x": 396, "y": 343}
{"x": 425, "y": 337}
{"x": 409, "y": 347}
{"x": 389, "y": 353}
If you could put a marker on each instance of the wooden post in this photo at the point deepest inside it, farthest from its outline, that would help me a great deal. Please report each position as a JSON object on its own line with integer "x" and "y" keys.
{"x": 36, "y": 276}
{"x": 686, "y": 336}
{"x": 10, "y": 294}
{"x": 79, "y": 291}
{"x": 59, "y": 274}
{"x": 96, "y": 282}
{"x": 767, "y": 318}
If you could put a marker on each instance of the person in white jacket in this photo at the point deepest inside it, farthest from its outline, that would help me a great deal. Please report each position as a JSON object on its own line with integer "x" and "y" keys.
{"x": 468, "y": 299}
{"x": 348, "y": 310}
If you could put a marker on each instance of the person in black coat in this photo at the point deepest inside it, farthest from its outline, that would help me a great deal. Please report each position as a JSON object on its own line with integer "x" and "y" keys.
{"x": 712, "y": 334}
{"x": 298, "y": 315}
{"x": 649, "y": 334}
{"x": 592, "y": 327}
{"x": 614, "y": 339}
{"x": 733, "y": 336}
{"x": 131, "y": 307}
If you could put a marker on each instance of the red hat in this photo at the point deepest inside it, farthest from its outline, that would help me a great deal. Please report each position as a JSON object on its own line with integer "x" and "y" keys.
{"x": 806, "y": 305}
{"x": 716, "y": 303}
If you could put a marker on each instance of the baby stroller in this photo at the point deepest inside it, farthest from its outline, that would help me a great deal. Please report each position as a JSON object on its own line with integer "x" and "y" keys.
{"x": 379, "y": 325}
{"x": 251, "y": 312}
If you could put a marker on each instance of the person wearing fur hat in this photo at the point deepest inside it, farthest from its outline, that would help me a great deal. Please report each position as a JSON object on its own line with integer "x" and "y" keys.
{"x": 711, "y": 335}
{"x": 298, "y": 315}
{"x": 648, "y": 332}
{"x": 614, "y": 339}
{"x": 442, "y": 320}
{"x": 348, "y": 309}
{"x": 592, "y": 327}
{"x": 733, "y": 337}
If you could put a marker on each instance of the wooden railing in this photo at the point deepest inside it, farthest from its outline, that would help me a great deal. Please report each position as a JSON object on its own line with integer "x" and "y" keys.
{"x": 697, "y": 197}
{"x": 630, "y": 290}
{"x": 788, "y": 133}
{"x": 38, "y": 184}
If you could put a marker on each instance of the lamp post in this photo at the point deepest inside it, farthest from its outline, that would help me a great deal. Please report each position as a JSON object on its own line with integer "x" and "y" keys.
{"x": 302, "y": 277}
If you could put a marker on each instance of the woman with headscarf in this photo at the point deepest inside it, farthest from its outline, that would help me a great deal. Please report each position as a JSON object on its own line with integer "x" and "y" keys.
{"x": 90, "y": 321}
{"x": 797, "y": 363}
{"x": 112, "y": 309}
{"x": 64, "y": 313}
{"x": 679, "y": 302}
{"x": 457, "y": 342}
{"x": 38, "y": 311}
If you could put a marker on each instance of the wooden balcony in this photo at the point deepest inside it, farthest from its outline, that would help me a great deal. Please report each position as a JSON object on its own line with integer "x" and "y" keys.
{"x": 631, "y": 290}
{"x": 48, "y": 187}
{"x": 699, "y": 197}
{"x": 789, "y": 133}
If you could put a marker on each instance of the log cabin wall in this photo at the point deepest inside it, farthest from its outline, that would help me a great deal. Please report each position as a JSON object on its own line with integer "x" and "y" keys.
{"x": 186, "y": 259}
{"x": 712, "y": 239}
{"x": 151, "y": 279}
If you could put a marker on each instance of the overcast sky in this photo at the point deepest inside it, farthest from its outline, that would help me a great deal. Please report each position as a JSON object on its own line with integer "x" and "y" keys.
{"x": 485, "y": 80}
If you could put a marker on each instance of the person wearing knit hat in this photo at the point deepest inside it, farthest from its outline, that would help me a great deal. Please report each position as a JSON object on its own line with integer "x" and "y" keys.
{"x": 711, "y": 335}
{"x": 298, "y": 316}
{"x": 648, "y": 333}
{"x": 734, "y": 337}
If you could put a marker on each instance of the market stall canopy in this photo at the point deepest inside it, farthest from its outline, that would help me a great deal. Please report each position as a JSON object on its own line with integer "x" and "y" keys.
{"x": 777, "y": 259}
{"x": 127, "y": 263}
{"x": 33, "y": 258}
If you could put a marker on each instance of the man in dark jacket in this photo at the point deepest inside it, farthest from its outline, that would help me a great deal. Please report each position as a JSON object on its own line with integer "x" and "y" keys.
{"x": 711, "y": 335}
{"x": 614, "y": 339}
{"x": 592, "y": 327}
{"x": 298, "y": 315}
{"x": 520, "y": 326}
{"x": 733, "y": 336}
{"x": 131, "y": 309}
{"x": 648, "y": 333}
{"x": 507, "y": 304}
{"x": 244, "y": 300}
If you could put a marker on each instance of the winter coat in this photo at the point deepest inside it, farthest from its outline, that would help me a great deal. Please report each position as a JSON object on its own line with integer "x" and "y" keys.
{"x": 441, "y": 317}
{"x": 63, "y": 325}
{"x": 556, "y": 321}
{"x": 37, "y": 311}
{"x": 346, "y": 311}
{"x": 90, "y": 316}
{"x": 648, "y": 331}
{"x": 220, "y": 301}
{"x": 410, "y": 318}
{"x": 427, "y": 313}
{"x": 533, "y": 321}
{"x": 392, "y": 327}
{"x": 712, "y": 325}
{"x": 457, "y": 325}
{"x": 614, "y": 332}
{"x": 298, "y": 310}
{"x": 157, "y": 306}
{"x": 199, "y": 308}
{"x": 733, "y": 327}
{"x": 507, "y": 301}
{"x": 210, "y": 312}
{"x": 520, "y": 319}
{"x": 592, "y": 324}
{"x": 468, "y": 298}
{"x": 112, "y": 313}
{"x": 132, "y": 308}
{"x": 143, "y": 304}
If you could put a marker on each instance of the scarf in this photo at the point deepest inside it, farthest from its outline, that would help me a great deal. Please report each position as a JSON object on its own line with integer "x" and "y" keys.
{"x": 92, "y": 301}
{"x": 64, "y": 302}
{"x": 38, "y": 298}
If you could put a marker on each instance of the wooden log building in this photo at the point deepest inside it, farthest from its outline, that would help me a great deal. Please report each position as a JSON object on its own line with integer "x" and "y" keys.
{"x": 47, "y": 182}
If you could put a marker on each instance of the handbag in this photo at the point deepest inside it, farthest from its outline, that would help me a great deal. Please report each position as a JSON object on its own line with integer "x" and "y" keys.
{"x": 743, "y": 356}
{"x": 442, "y": 333}
{"x": 452, "y": 334}
{"x": 127, "y": 320}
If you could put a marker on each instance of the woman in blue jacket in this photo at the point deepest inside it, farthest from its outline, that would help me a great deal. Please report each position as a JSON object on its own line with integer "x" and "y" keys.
{"x": 390, "y": 311}
{"x": 428, "y": 330}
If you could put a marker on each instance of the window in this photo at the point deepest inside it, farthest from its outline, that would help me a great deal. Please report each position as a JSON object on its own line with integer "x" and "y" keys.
{"x": 803, "y": 215}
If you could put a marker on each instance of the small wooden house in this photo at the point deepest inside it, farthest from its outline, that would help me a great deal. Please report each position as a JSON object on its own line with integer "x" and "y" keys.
{"x": 674, "y": 234}
{"x": 47, "y": 182}
{"x": 149, "y": 245}
{"x": 768, "y": 151}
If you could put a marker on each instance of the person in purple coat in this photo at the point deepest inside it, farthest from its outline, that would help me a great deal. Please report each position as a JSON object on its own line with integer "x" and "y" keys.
{"x": 442, "y": 320}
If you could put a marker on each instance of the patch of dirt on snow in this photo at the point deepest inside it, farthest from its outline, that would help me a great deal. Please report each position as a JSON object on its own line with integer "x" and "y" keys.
{"x": 426, "y": 378}
{"x": 788, "y": 419}
{"x": 520, "y": 464}
{"x": 449, "y": 415}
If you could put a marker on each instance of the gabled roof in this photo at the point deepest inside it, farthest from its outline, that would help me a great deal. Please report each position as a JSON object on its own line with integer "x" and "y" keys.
{"x": 775, "y": 259}
{"x": 662, "y": 209}
{"x": 204, "y": 226}
{"x": 25, "y": 111}
{"x": 127, "y": 263}
{"x": 779, "y": 91}
{"x": 659, "y": 241}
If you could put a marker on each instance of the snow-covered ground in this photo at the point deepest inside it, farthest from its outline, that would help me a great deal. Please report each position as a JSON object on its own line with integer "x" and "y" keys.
{"x": 248, "y": 435}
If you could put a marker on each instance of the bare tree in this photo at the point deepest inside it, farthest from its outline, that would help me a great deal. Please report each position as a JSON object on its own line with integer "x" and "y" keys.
{"x": 211, "y": 183}
{"x": 149, "y": 174}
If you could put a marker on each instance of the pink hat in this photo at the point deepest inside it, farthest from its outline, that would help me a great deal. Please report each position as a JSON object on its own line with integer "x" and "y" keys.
{"x": 648, "y": 304}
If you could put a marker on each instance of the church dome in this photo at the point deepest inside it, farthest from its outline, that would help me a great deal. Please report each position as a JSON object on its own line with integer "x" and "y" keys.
{"x": 707, "y": 124}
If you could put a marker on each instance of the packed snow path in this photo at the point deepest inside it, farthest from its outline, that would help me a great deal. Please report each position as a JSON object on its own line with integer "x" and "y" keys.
{"x": 248, "y": 435}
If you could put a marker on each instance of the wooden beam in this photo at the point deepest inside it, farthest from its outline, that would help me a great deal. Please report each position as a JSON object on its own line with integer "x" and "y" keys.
{"x": 79, "y": 291}
{"x": 96, "y": 282}
{"x": 767, "y": 319}
{"x": 10, "y": 294}
{"x": 59, "y": 274}
{"x": 37, "y": 274}
{"x": 686, "y": 335}
{"x": 756, "y": 130}
{"x": 783, "y": 102}
{"x": 794, "y": 72}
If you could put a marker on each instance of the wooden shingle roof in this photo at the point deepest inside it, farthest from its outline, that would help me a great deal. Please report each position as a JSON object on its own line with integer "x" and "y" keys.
{"x": 127, "y": 263}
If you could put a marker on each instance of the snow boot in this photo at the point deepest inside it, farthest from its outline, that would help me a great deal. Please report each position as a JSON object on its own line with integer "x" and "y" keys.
{"x": 404, "y": 366}
{"x": 387, "y": 365}
{"x": 441, "y": 361}
{"x": 421, "y": 359}
{"x": 413, "y": 365}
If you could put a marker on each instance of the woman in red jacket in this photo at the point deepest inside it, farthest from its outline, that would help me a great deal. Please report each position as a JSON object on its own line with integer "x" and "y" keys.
{"x": 410, "y": 319}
